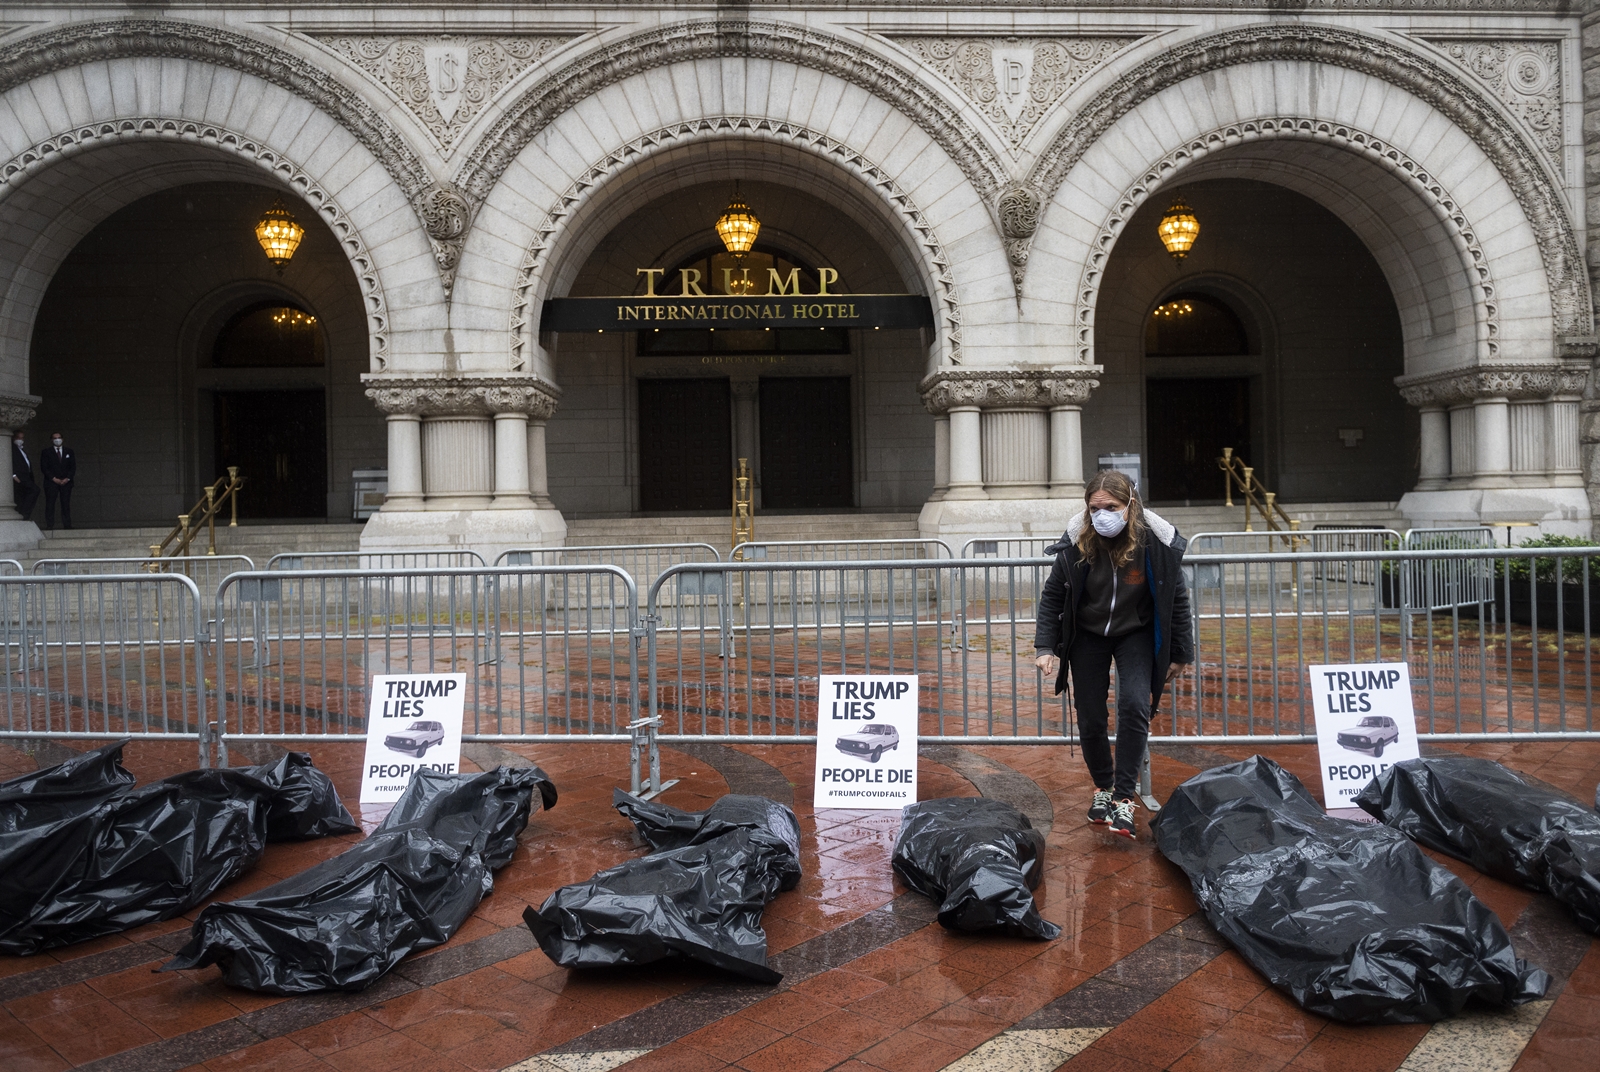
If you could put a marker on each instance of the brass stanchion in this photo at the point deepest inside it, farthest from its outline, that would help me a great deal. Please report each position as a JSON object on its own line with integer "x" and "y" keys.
{"x": 1227, "y": 475}
{"x": 233, "y": 488}
{"x": 744, "y": 522}
{"x": 1249, "y": 484}
{"x": 211, "y": 517}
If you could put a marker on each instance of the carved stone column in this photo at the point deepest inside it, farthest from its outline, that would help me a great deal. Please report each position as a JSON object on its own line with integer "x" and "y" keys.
{"x": 15, "y": 413}
{"x": 1029, "y": 438}
{"x": 473, "y": 448}
{"x": 1435, "y": 453}
{"x": 1497, "y": 423}
{"x": 941, "y": 457}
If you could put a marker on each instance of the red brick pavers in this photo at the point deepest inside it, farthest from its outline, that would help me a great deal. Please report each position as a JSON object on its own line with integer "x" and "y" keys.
{"x": 922, "y": 1000}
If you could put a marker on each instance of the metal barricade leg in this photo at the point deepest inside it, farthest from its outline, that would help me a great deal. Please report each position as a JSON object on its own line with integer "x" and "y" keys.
{"x": 644, "y": 741}
{"x": 1146, "y": 787}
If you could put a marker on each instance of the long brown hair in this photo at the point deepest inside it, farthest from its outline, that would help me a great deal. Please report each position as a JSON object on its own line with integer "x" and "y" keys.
{"x": 1124, "y": 544}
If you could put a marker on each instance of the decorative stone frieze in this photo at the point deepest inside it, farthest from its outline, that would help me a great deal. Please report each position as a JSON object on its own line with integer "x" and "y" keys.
{"x": 1456, "y": 96}
{"x": 442, "y": 396}
{"x": 992, "y": 388}
{"x": 1459, "y": 386}
{"x": 444, "y": 80}
{"x": 1014, "y": 81}
{"x": 445, "y": 216}
{"x": 17, "y": 410}
{"x": 1525, "y": 75}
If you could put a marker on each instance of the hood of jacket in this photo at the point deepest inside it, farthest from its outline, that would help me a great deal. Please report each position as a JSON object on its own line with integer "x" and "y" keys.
{"x": 1162, "y": 529}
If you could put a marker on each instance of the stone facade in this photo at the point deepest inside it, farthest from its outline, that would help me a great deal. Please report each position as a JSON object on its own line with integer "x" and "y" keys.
{"x": 462, "y": 164}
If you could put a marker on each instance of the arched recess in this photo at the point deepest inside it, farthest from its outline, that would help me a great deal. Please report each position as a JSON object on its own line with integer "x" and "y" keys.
{"x": 1451, "y": 234}
{"x": 88, "y": 123}
{"x": 777, "y": 109}
{"x": 1428, "y": 249}
{"x": 752, "y": 150}
{"x": 1326, "y": 74}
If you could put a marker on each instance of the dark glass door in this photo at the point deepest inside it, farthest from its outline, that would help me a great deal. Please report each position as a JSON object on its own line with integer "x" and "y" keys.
{"x": 279, "y": 441}
{"x": 805, "y": 443}
{"x": 1188, "y": 424}
{"x": 685, "y": 445}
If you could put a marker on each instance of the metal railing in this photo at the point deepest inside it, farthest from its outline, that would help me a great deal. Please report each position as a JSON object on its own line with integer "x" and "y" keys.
{"x": 1007, "y": 546}
{"x": 206, "y": 571}
{"x": 10, "y": 567}
{"x": 100, "y": 657}
{"x": 735, "y": 649}
{"x": 443, "y": 558}
{"x": 549, "y": 652}
{"x": 644, "y": 562}
{"x": 1439, "y": 584}
{"x": 839, "y": 550}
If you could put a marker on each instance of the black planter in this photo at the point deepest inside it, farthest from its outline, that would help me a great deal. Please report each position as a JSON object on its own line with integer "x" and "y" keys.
{"x": 1570, "y": 600}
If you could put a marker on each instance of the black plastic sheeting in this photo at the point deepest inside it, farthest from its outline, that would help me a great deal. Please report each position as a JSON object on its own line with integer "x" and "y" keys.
{"x": 1350, "y": 919}
{"x": 980, "y": 859}
{"x": 1516, "y": 829}
{"x": 345, "y": 922}
{"x": 699, "y": 896}
{"x": 85, "y": 854}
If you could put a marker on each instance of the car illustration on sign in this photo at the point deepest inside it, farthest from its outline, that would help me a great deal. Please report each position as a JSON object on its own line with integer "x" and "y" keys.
{"x": 416, "y": 738}
{"x": 1370, "y": 735}
{"x": 869, "y": 743}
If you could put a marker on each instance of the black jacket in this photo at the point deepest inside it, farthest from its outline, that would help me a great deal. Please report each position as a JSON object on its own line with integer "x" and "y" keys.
{"x": 64, "y": 466}
{"x": 21, "y": 467}
{"x": 1163, "y": 549}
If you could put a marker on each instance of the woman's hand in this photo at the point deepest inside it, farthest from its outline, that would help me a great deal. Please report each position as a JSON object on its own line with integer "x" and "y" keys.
{"x": 1048, "y": 665}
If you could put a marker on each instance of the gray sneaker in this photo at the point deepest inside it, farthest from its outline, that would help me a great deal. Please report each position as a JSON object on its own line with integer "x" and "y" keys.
{"x": 1100, "y": 810}
{"x": 1122, "y": 819}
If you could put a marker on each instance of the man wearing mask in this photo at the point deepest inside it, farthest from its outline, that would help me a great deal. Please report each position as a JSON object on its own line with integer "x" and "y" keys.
{"x": 24, "y": 491}
{"x": 60, "y": 467}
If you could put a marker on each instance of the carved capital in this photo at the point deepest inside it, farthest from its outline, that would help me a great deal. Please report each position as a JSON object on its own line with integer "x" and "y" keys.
{"x": 1003, "y": 387}
{"x": 1461, "y": 386}
{"x": 454, "y": 396}
{"x": 17, "y": 410}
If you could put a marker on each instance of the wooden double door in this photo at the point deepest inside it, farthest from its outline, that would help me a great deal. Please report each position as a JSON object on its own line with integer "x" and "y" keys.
{"x": 686, "y": 458}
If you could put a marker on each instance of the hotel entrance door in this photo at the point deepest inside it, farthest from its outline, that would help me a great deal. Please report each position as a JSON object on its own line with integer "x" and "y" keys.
{"x": 279, "y": 441}
{"x": 805, "y": 443}
{"x": 685, "y": 445}
{"x": 1188, "y": 423}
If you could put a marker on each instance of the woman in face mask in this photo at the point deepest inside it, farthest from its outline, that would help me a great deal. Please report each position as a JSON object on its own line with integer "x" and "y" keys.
{"x": 1116, "y": 592}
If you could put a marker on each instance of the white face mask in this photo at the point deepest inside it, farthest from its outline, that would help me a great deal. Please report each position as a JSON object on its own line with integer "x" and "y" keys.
{"x": 56, "y": 442}
{"x": 1109, "y": 523}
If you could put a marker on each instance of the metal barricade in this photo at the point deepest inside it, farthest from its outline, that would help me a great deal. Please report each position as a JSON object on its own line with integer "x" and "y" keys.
{"x": 104, "y": 657}
{"x": 644, "y": 562}
{"x": 1441, "y": 583}
{"x": 442, "y": 558}
{"x": 839, "y": 550}
{"x": 10, "y": 567}
{"x": 736, "y": 649}
{"x": 1007, "y": 546}
{"x": 206, "y": 571}
{"x": 549, "y": 651}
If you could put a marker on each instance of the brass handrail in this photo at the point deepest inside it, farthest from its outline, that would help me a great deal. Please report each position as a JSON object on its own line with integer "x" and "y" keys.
{"x": 224, "y": 491}
{"x": 744, "y": 519}
{"x": 1236, "y": 474}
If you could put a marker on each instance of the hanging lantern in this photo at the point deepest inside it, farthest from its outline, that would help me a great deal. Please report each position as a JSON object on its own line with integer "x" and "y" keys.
{"x": 738, "y": 226}
{"x": 279, "y": 235}
{"x": 1179, "y": 229}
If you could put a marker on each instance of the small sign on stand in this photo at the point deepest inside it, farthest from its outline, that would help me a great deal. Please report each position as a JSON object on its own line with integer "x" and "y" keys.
{"x": 413, "y": 723}
{"x": 866, "y": 742}
{"x": 1365, "y": 725}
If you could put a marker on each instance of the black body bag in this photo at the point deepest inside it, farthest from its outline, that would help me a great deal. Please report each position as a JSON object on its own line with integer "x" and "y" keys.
{"x": 979, "y": 858}
{"x": 1516, "y": 829}
{"x": 345, "y": 922}
{"x": 85, "y": 854}
{"x": 699, "y": 896}
{"x": 1349, "y": 919}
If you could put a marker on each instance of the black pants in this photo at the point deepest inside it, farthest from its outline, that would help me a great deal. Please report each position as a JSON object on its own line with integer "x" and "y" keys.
{"x": 24, "y": 496}
{"x": 1091, "y": 679}
{"x": 52, "y": 492}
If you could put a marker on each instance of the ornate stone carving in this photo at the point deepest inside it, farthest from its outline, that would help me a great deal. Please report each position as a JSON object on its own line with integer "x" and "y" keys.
{"x": 1397, "y": 163}
{"x": 442, "y": 396}
{"x": 1525, "y": 75}
{"x": 76, "y": 45}
{"x": 1014, "y": 81}
{"x": 444, "y": 80}
{"x": 1019, "y": 209}
{"x": 1460, "y": 386}
{"x": 17, "y": 410}
{"x": 1457, "y": 98}
{"x": 998, "y": 387}
{"x": 445, "y": 216}
{"x": 723, "y": 39}
{"x": 938, "y": 262}
{"x": 286, "y": 171}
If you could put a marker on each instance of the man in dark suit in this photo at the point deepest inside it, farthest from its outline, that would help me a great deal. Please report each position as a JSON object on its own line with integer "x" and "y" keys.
{"x": 59, "y": 464}
{"x": 24, "y": 491}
